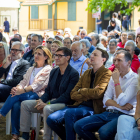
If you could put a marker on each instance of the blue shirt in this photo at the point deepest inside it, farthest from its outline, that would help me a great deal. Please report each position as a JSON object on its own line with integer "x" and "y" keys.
{"x": 78, "y": 64}
{"x": 91, "y": 49}
{"x": 6, "y": 24}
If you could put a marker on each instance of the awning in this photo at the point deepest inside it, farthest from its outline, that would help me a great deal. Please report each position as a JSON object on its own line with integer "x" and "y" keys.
{"x": 9, "y": 4}
{"x": 37, "y": 2}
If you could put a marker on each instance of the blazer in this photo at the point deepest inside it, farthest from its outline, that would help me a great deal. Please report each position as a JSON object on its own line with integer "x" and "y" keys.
{"x": 69, "y": 80}
{"x": 40, "y": 81}
{"x": 18, "y": 73}
{"x": 83, "y": 92}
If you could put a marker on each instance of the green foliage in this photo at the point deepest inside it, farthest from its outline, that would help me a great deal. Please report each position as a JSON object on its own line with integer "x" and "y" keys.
{"x": 111, "y": 4}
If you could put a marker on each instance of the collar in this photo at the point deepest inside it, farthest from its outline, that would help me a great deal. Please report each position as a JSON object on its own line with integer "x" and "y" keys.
{"x": 80, "y": 59}
{"x": 128, "y": 74}
{"x": 16, "y": 61}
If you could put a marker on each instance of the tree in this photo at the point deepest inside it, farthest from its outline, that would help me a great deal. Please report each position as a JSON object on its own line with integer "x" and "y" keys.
{"x": 111, "y": 4}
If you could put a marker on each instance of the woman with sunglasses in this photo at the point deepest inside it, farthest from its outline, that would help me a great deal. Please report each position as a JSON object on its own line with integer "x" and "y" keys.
{"x": 31, "y": 87}
{"x": 48, "y": 43}
{"x": 4, "y": 52}
{"x": 114, "y": 27}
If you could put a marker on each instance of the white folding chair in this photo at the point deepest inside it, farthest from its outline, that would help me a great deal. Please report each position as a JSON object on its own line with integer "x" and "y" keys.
{"x": 8, "y": 120}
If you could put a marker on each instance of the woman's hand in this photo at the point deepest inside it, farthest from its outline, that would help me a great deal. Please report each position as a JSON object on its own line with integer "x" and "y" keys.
{"x": 16, "y": 91}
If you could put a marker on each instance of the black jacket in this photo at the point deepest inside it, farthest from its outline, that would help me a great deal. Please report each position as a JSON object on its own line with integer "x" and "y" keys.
{"x": 18, "y": 73}
{"x": 69, "y": 80}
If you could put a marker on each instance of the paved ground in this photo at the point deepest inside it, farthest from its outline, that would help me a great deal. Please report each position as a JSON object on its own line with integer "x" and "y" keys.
{"x": 3, "y": 135}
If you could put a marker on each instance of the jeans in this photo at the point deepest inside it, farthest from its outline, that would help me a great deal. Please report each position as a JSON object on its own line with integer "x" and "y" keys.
{"x": 4, "y": 92}
{"x": 105, "y": 123}
{"x": 99, "y": 30}
{"x": 128, "y": 23}
{"x": 68, "y": 115}
{"x": 14, "y": 104}
{"x": 127, "y": 128}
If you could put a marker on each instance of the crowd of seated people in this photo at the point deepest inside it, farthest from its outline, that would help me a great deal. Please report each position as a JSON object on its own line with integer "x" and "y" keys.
{"x": 82, "y": 84}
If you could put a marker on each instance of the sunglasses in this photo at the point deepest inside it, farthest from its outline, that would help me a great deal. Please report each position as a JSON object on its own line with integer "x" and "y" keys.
{"x": 82, "y": 34}
{"x": 50, "y": 42}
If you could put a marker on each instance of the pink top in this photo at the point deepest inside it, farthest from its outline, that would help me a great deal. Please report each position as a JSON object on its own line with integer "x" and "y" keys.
{"x": 137, "y": 31}
{"x": 40, "y": 81}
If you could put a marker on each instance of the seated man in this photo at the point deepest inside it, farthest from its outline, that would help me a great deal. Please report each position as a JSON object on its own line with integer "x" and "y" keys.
{"x": 57, "y": 94}
{"x": 18, "y": 36}
{"x": 13, "y": 70}
{"x": 119, "y": 99}
{"x": 87, "y": 94}
{"x": 36, "y": 40}
{"x": 78, "y": 59}
{"x": 67, "y": 42}
{"x": 135, "y": 61}
{"x": 128, "y": 127}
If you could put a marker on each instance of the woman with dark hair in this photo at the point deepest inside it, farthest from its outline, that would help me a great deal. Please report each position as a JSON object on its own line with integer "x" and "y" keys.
{"x": 114, "y": 27}
{"x": 13, "y": 40}
{"x": 31, "y": 87}
{"x": 137, "y": 49}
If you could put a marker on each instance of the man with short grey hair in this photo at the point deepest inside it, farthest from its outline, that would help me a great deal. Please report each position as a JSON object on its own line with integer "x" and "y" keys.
{"x": 78, "y": 60}
{"x": 36, "y": 40}
{"x": 12, "y": 71}
{"x": 130, "y": 47}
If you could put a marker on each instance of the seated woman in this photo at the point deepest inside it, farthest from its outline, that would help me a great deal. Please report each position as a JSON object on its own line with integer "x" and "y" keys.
{"x": 112, "y": 49}
{"x": 4, "y": 52}
{"x": 55, "y": 45}
{"x": 128, "y": 127}
{"x": 31, "y": 87}
{"x": 123, "y": 40}
{"x": 86, "y": 45}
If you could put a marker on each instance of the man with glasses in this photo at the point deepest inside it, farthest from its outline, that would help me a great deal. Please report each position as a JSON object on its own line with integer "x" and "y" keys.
{"x": 83, "y": 33}
{"x": 36, "y": 40}
{"x": 78, "y": 60}
{"x": 48, "y": 43}
{"x": 67, "y": 42}
{"x": 12, "y": 71}
{"x": 57, "y": 94}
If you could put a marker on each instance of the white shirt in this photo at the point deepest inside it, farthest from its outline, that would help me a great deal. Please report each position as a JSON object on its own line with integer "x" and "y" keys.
{"x": 128, "y": 85}
{"x": 34, "y": 73}
{"x": 110, "y": 60}
{"x": 12, "y": 68}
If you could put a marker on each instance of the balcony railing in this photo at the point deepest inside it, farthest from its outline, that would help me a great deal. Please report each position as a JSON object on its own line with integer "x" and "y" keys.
{"x": 44, "y": 24}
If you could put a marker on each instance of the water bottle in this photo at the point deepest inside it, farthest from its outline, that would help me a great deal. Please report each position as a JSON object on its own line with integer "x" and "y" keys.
{"x": 33, "y": 134}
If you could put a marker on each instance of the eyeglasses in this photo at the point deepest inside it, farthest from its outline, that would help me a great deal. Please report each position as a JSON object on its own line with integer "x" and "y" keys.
{"x": 82, "y": 34}
{"x": 67, "y": 43}
{"x": 58, "y": 55}
{"x": 29, "y": 38}
{"x": 111, "y": 44}
{"x": 1, "y": 46}
{"x": 138, "y": 36}
{"x": 15, "y": 50}
{"x": 50, "y": 42}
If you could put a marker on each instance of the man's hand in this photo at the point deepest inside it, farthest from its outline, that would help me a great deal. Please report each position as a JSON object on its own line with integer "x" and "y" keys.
{"x": 136, "y": 116}
{"x": 8, "y": 61}
{"x": 127, "y": 107}
{"x": 40, "y": 105}
{"x": 115, "y": 76}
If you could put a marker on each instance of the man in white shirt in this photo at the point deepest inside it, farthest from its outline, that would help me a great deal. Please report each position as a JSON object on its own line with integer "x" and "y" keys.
{"x": 12, "y": 71}
{"x": 119, "y": 99}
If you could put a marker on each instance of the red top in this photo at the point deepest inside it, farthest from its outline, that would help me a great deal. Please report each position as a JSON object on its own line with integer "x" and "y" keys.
{"x": 121, "y": 45}
{"x": 134, "y": 66}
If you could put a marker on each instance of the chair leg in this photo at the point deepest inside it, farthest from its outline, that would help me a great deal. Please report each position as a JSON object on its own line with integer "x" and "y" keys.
{"x": 38, "y": 125}
{"x": 8, "y": 123}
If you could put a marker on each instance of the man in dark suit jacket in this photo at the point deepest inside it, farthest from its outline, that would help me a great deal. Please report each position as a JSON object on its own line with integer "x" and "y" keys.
{"x": 57, "y": 94}
{"x": 13, "y": 70}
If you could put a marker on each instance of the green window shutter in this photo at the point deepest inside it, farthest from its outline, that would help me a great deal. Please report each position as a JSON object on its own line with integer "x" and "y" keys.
{"x": 71, "y": 11}
{"x": 49, "y": 11}
{"x": 34, "y": 12}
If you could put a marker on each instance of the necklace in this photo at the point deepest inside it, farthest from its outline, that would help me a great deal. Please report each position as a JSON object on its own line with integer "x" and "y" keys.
{"x": 34, "y": 72}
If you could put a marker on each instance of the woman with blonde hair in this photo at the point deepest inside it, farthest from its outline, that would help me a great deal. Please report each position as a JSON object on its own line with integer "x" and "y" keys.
{"x": 55, "y": 45}
{"x": 4, "y": 52}
{"x": 31, "y": 87}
